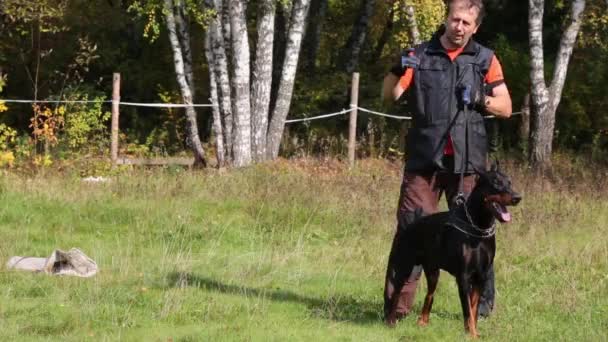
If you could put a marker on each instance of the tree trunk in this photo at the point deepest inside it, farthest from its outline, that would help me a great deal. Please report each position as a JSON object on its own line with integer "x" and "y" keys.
{"x": 220, "y": 70}
{"x": 354, "y": 45}
{"x": 524, "y": 124}
{"x": 262, "y": 79}
{"x": 544, "y": 101}
{"x": 183, "y": 36}
{"x": 285, "y": 91}
{"x": 215, "y": 110}
{"x": 223, "y": 8}
{"x": 386, "y": 32}
{"x": 185, "y": 89}
{"x": 312, "y": 38}
{"x": 241, "y": 104}
{"x": 412, "y": 24}
{"x": 278, "y": 50}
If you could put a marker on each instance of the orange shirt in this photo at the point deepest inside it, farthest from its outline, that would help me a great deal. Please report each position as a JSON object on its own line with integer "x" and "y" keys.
{"x": 494, "y": 74}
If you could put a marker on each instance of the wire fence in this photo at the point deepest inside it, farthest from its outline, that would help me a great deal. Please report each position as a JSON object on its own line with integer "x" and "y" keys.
{"x": 121, "y": 103}
{"x": 116, "y": 103}
{"x": 182, "y": 105}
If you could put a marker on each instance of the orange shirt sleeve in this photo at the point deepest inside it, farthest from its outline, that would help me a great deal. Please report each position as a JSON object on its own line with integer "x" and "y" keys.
{"x": 494, "y": 72}
{"x": 406, "y": 80}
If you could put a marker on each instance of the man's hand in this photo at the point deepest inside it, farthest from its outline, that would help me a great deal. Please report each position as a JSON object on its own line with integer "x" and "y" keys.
{"x": 480, "y": 100}
{"x": 407, "y": 60}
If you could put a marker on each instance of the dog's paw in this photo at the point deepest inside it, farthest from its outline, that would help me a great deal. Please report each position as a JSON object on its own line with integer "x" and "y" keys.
{"x": 391, "y": 321}
{"x": 423, "y": 322}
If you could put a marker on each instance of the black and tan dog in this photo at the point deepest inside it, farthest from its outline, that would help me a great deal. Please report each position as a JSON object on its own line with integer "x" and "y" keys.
{"x": 461, "y": 241}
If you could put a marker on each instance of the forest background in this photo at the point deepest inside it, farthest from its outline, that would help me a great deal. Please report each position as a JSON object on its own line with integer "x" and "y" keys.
{"x": 69, "y": 49}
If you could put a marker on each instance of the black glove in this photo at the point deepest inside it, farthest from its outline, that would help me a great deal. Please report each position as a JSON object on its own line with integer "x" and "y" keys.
{"x": 479, "y": 100}
{"x": 407, "y": 60}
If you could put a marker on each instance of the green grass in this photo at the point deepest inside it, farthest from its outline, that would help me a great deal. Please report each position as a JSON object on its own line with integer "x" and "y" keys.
{"x": 282, "y": 252}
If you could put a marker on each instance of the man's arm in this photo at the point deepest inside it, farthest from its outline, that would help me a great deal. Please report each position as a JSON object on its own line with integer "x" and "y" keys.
{"x": 399, "y": 79}
{"x": 499, "y": 103}
{"x": 397, "y": 91}
{"x": 390, "y": 81}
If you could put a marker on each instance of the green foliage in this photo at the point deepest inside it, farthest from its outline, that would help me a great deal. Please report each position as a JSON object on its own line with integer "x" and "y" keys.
{"x": 594, "y": 31}
{"x": 515, "y": 62}
{"x": 27, "y": 15}
{"x": 429, "y": 15}
{"x": 154, "y": 13}
{"x": 151, "y": 10}
{"x": 85, "y": 124}
{"x": 7, "y": 137}
{"x": 167, "y": 137}
{"x": 3, "y": 107}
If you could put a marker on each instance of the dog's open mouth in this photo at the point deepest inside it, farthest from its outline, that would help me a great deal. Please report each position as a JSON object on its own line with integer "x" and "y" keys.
{"x": 501, "y": 213}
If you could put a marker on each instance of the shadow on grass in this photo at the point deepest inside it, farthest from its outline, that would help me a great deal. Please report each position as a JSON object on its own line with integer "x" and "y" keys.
{"x": 337, "y": 307}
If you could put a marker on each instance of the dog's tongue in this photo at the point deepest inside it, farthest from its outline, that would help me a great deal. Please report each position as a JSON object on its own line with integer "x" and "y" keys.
{"x": 504, "y": 214}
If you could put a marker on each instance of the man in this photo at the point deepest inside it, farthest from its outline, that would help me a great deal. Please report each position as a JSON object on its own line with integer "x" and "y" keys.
{"x": 452, "y": 81}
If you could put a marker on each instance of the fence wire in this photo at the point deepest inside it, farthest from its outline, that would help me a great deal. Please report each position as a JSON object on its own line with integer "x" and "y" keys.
{"x": 122, "y": 103}
{"x": 182, "y": 105}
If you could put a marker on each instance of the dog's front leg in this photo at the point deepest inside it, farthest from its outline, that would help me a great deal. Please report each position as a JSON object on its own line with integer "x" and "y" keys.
{"x": 466, "y": 297}
{"x": 432, "y": 278}
{"x": 474, "y": 300}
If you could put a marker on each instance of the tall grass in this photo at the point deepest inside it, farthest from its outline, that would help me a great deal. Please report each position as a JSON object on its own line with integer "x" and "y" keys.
{"x": 284, "y": 251}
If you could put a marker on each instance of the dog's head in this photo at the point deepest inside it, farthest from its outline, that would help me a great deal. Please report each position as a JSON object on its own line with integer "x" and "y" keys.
{"x": 497, "y": 193}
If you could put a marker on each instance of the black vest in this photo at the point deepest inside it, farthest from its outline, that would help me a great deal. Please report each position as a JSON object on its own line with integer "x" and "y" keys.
{"x": 439, "y": 111}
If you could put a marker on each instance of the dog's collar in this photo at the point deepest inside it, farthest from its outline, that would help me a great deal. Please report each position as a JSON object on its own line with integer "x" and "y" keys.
{"x": 469, "y": 228}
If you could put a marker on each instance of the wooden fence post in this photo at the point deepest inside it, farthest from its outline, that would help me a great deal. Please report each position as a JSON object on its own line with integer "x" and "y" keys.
{"x": 352, "y": 127}
{"x": 115, "y": 115}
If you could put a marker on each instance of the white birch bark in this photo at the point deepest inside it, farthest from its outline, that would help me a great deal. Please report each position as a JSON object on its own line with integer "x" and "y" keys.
{"x": 215, "y": 110}
{"x": 412, "y": 23}
{"x": 566, "y": 46}
{"x": 178, "y": 61}
{"x": 183, "y": 35}
{"x": 544, "y": 100}
{"x": 220, "y": 70}
{"x": 262, "y": 79}
{"x": 285, "y": 91}
{"x": 241, "y": 104}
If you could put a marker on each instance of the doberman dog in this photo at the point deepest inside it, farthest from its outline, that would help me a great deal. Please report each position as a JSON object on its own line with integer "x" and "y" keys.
{"x": 461, "y": 242}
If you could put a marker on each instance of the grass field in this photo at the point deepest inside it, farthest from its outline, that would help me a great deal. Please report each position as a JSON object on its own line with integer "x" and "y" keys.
{"x": 287, "y": 251}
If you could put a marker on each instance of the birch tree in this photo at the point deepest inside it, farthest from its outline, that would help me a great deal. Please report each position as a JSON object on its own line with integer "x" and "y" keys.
{"x": 241, "y": 103}
{"x": 256, "y": 135}
{"x": 545, "y": 99}
{"x": 262, "y": 78}
{"x": 218, "y": 130}
{"x": 171, "y": 11}
{"x": 285, "y": 90}
{"x": 218, "y": 66}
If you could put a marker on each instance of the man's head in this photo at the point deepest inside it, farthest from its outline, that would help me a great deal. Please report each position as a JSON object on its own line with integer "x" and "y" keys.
{"x": 463, "y": 20}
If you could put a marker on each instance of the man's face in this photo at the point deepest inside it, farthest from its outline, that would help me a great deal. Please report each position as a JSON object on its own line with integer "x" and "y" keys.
{"x": 461, "y": 23}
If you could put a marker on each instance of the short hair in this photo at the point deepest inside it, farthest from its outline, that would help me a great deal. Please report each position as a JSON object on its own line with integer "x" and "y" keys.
{"x": 470, "y": 4}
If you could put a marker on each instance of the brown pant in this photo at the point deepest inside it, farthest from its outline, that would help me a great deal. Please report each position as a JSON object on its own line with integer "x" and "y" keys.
{"x": 419, "y": 191}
